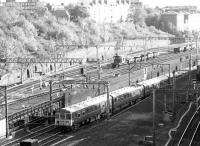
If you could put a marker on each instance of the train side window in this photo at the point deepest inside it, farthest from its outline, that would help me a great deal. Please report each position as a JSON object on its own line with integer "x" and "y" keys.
{"x": 78, "y": 115}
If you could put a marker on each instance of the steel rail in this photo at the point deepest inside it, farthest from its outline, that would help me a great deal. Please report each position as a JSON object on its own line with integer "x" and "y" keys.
{"x": 182, "y": 136}
{"x": 192, "y": 140}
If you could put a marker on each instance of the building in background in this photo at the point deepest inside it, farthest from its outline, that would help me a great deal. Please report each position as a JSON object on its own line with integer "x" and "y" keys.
{"x": 181, "y": 18}
{"x": 190, "y": 9}
{"x": 28, "y": 5}
{"x": 174, "y": 20}
{"x": 106, "y": 11}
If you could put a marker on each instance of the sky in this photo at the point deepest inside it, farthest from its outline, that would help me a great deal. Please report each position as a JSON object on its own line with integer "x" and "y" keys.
{"x": 151, "y": 3}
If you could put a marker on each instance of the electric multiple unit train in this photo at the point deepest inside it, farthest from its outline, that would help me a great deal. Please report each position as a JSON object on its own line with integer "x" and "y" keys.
{"x": 92, "y": 109}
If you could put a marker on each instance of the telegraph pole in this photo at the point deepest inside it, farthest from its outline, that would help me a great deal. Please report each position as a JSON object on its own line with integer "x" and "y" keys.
{"x": 145, "y": 41}
{"x": 174, "y": 88}
{"x": 108, "y": 101}
{"x": 190, "y": 66}
{"x": 129, "y": 73}
{"x": 50, "y": 85}
{"x": 6, "y": 112}
{"x": 21, "y": 73}
{"x": 169, "y": 74}
{"x": 197, "y": 45}
{"x": 154, "y": 102}
{"x": 99, "y": 67}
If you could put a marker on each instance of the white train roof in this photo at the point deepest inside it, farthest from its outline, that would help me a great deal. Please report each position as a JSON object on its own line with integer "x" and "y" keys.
{"x": 153, "y": 81}
{"x": 124, "y": 90}
{"x": 99, "y": 99}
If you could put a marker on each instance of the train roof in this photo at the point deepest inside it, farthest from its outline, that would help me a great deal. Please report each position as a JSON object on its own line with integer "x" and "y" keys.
{"x": 153, "y": 81}
{"x": 85, "y": 103}
{"x": 125, "y": 90}
{"x": 98, "y": 99}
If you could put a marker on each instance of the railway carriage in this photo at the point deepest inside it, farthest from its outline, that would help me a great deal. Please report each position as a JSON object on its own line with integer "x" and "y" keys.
{"x": 92, "y": 109}
{"x": 155, "y": 54}
{"x": 149, "y": 55}
{"x": 117, "y": 60}
{"x": 126, "y": 96}
{"x": 148, "y": 85}
{"x": 137, "y": 59}
{"x": 73, "y": 116}
{"x": 142, "y": 57}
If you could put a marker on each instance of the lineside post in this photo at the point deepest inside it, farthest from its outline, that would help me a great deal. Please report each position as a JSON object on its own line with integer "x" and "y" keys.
{"x": 50, "y": 85}
{"x": 174, "y": 88}
{"x": 98, "y": 66}
{"x": 169, "y": 74}
{"x": 154, "y": 102}
{"x": 190, "y": 68}
{"x": 108, "y": 101}
{"x": 6, "y": 112}
{"x": 129, "y": 73}
{"x": 21, "y": 73}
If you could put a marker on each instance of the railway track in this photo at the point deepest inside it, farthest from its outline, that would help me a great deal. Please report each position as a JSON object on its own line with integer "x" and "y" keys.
{"x": 190, "y": 131}
{"x": 33, "y": 135}
{"x": 137, "y": 66}
{"x": 76, "y": 69}
{"x": 69, "y": 73}
{"x": 196, "y": 137}
{"x": 105, "y": 75}
{"x": 93, "y": 125}
{"x": 49, "y": 138}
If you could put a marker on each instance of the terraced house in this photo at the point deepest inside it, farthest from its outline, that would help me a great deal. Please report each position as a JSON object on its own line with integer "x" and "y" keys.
{"x": 106, "y": 11}
{"x": 29, "y": 5}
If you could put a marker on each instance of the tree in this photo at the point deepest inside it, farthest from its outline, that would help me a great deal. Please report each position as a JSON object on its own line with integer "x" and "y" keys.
{"x": 77, "y": 12}
{"x": 153, "y": 20}
{"x": 136, "y": 15}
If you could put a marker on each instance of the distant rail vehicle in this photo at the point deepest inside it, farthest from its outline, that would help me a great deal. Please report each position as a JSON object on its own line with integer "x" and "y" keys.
{"x": 91, "y": 60}
{"x": 117, "y": 60}
{"x": 149, "y": 55}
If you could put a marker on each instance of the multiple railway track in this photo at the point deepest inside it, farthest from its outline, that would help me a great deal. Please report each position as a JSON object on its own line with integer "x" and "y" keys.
{"x": 196, "y": 137}
{"x": 17, "y": 104}
{"x": 54, "y": 135}
{"x": 190, "y": 134}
